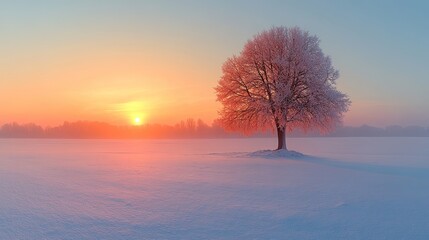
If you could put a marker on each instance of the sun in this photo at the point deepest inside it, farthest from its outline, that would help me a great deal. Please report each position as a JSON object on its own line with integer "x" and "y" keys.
{"x": 137, "y": 121}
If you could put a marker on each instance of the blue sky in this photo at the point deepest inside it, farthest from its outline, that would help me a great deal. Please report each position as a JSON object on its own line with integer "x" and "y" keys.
{"x": 379, "y": 47}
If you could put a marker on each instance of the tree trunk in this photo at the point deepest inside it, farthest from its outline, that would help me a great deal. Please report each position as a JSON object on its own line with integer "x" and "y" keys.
{"x": 281, "y": 138}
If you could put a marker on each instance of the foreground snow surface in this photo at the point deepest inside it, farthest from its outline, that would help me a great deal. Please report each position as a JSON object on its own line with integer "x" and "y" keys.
{"x": 342, "y": 188}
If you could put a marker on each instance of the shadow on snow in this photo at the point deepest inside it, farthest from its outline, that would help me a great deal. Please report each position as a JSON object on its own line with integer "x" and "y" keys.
{"x": 356, "y": 166}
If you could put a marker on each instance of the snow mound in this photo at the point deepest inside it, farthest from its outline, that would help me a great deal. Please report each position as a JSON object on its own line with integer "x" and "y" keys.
{"x": 272, "y": 154}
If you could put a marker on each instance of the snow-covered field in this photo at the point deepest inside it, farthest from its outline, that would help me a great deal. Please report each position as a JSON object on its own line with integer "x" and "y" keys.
{"x": 344, "y": 188}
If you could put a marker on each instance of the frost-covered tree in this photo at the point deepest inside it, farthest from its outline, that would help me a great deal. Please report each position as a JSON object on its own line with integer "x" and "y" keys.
{"x": 281, "y": 80}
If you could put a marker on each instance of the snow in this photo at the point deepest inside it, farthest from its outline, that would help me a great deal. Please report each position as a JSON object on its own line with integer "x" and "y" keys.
{"x": 281, "y": 153}
{"x": 340, "y": 188}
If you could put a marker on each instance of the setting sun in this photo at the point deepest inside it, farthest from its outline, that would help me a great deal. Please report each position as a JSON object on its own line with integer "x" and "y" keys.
{"x": 137, "y": 121}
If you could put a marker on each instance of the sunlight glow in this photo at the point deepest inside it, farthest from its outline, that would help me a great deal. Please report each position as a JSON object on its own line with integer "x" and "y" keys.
{"x": 133, "y": 112}
{"x": 137, "y": 121}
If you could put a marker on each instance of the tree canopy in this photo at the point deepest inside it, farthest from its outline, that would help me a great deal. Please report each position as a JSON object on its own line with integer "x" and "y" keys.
{"x": 281, "y": 80}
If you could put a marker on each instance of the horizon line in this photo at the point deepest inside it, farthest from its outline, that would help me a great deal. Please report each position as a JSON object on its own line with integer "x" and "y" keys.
{"x": 214, "y": 122}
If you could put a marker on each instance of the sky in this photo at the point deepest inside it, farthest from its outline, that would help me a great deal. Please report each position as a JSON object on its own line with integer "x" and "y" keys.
{"x": 159, "y": 61}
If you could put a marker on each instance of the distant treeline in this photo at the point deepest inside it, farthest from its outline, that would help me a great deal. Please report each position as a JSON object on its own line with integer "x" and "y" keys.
{"x": 185, "y": 129}
{"x": 87, "y": 129}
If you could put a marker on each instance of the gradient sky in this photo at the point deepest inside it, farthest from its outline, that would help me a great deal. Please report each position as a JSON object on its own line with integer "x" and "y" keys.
{"x": 112, "y": 61}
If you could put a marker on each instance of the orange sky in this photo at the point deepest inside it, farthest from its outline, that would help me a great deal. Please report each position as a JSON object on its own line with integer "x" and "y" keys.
{"x": 110, "y": 82}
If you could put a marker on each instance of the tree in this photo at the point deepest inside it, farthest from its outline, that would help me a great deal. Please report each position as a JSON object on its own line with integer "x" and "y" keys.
{"x": 281, "y": 80}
